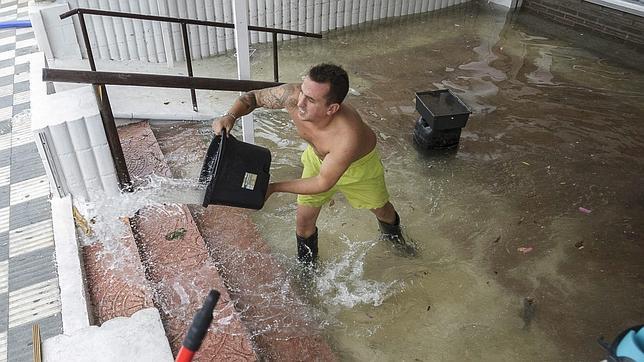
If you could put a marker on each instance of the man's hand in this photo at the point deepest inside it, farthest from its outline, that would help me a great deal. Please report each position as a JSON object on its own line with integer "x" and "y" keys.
{"x": 227, "y": 121}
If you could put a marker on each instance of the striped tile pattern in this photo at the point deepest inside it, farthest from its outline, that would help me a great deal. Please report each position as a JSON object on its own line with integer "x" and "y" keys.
{"x": 29, "y": 291}
{"x": 33, "y": 302}
{"x": 3, "y": 344}
{"x": 34, "y": 237}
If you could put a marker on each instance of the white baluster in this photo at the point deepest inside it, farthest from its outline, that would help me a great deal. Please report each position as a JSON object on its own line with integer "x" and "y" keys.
{"x": 324, "y": 21}
{"x": 261, "y": 19}
{"x": 211, "y": 32}
{"x": 202, "y": 30}
{"x": 333, "y": 14}
{"x": 221, "y": 32}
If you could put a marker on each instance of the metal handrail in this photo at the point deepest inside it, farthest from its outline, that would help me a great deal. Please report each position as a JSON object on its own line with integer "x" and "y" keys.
{"x": 169, "y": 19}
{"x": 184, "y": 30}
{"x": 99, "y": 79}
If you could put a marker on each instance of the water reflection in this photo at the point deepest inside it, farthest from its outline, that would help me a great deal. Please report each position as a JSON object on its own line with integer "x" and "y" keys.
{"x": 556, "y": 126}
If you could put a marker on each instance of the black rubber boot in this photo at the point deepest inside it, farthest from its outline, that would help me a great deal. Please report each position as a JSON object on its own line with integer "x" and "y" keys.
{"x": 307, "y": 248}
{"x": 393, "y": 233}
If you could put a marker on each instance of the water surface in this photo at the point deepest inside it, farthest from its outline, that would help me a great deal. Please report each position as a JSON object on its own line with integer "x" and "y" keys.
{"x": 509, "y": 268}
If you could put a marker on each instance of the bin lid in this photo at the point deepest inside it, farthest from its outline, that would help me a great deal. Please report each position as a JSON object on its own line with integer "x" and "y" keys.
{"x": 441, "y": 102}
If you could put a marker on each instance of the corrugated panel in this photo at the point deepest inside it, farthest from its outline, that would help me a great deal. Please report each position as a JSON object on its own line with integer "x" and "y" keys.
{"x": 157, "y": 42}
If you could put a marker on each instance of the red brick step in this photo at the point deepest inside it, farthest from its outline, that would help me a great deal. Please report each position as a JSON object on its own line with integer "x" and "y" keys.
{"x": 178, "y": 265}
{"x": 250, "y": 271}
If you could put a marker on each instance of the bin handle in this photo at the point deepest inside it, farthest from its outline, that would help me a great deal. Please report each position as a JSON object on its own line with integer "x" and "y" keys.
{"x": 220, "y": 152}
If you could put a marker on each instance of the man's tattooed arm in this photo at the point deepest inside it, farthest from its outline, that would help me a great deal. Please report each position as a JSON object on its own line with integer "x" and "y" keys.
{"x": 283, "y": 96}
{"x": 249, "y": 100}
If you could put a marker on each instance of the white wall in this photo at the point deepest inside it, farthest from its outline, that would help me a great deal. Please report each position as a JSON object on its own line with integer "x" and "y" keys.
{"x": 124, "y": 39}
{"x": 70, "y": 138}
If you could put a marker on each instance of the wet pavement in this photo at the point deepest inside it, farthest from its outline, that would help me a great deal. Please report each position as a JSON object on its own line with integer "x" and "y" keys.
{"x": 29, "y": 291}
{"x": 530, "y": 234}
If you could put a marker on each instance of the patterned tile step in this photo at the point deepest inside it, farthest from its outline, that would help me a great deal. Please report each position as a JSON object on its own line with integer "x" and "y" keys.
{"x": 281, "y": 323}
{"x": 179, "y": 266}
{"x": 115, "y": 278}
{"x": 177, "y": 262}
{"x": 143, "y": 156}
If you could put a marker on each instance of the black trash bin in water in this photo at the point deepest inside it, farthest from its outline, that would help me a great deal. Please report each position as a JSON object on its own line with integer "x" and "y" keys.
{"x": 442, "y": 116}
{"x": 237, "y": 173}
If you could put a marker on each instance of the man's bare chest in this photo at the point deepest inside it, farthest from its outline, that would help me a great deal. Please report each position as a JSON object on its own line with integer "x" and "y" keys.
{"x": 318, "y": 140}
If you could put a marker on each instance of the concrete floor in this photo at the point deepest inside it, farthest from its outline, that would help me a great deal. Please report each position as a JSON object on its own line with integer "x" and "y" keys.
{"x": 512, "y": 266}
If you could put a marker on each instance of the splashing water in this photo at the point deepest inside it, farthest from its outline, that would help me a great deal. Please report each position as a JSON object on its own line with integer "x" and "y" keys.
{"x": 107, "y": 213}
{"x": 342, "y": 283}
{"x": 185, "y": 299}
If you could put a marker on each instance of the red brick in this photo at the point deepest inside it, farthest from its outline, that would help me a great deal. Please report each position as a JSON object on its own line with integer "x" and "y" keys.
{"x": 178, "y": 266}
{"x": 143, "y": 156}
{"x": 590, "y": 16}
{"x": 251, "y": 271}
{"x": 115, "y": 278}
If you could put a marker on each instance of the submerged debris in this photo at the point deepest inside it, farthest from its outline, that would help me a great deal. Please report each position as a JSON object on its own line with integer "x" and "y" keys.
{"x": 177, "y": 234}
{"x": 529, "y": 311}
{"x": 81, "y": 222}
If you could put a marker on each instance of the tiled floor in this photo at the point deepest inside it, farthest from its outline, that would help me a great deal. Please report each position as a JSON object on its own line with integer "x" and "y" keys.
{"x": 29, "y": 291}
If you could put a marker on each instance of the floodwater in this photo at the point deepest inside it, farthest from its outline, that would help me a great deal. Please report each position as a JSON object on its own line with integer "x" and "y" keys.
{"x": 530, "y": 233}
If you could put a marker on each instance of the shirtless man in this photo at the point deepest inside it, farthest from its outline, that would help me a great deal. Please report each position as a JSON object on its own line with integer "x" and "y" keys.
{"x": 341, "y": 155}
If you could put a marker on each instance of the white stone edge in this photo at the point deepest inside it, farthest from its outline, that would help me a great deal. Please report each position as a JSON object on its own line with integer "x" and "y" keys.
{"x": 188, "y": 116}
{"x": 140, "y": 337}
{"x": 73, "y": 294}
{"x": 38, "y": 25}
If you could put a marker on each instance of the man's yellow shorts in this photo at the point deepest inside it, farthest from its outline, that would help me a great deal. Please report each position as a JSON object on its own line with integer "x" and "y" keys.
{"x": 363, "y": 183}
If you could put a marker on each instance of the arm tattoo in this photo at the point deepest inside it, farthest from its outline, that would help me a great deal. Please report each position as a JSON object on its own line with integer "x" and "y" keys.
{"x": 274, "y": 98}
{"x": 249, "y": 100}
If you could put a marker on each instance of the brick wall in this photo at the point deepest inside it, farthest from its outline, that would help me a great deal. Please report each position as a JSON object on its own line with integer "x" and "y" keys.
{"x": 589, "y": 16}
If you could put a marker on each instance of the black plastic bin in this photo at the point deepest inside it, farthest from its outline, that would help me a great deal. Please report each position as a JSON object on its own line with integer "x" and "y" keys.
{"x": 441, "y": 109}
{"x": 442, "y": 115}
{"x": 237, "y": 173}
{"x": 428, "y": 138}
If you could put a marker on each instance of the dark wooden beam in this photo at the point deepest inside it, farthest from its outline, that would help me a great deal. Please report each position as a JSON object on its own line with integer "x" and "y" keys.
{"x": 152, "y": 80}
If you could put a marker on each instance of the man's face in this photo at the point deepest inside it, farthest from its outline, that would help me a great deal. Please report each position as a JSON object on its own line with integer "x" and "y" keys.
{"x": 311, "y": 103}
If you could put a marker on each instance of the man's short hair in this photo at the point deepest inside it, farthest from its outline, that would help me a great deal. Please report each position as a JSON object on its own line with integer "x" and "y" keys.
{"x": 336, "y": 77}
